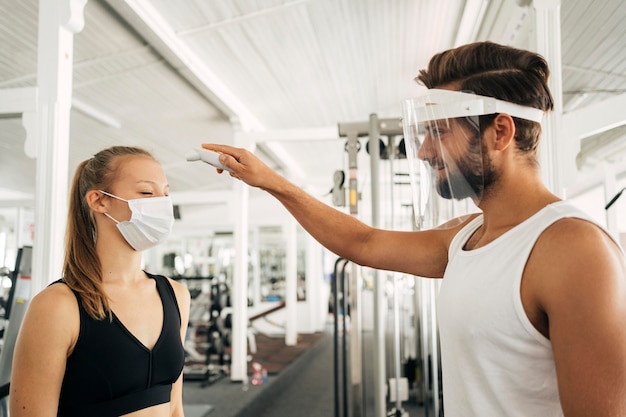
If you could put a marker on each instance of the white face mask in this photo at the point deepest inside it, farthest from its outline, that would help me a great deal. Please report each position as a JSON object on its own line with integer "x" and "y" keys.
{"x": 150, "y": 223}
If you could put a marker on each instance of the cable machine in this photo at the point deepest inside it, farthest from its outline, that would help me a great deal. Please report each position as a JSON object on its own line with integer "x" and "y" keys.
{"x": 17, "y": 304}
{"x": 354, "y": 397}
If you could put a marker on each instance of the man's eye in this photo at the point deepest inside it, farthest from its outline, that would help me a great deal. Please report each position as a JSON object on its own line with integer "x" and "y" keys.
{"x": 435, "y": 131}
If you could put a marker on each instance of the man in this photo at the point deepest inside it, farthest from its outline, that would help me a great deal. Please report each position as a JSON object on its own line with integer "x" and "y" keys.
{"x": 533, "y": 304}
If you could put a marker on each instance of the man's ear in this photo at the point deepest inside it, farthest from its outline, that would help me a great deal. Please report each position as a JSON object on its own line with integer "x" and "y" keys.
{"x": 97, "y": 201}
{"x": 504, "y": 126}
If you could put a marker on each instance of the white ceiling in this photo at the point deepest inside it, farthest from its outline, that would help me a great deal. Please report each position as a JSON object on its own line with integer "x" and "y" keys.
{"x": 169, "y": 75}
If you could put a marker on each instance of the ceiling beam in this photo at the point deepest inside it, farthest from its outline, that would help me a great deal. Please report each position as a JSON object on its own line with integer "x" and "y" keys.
{"x": 14, "y": 101}
{"x": 16, "y": 202}
{"x": 471, "y": 21}
{"x": 240, "y": 18}
{"x": 589, "y": 121}
{"x": 595, "y": 118}
{"x": 153, "y": 27}
{"x": 270, "y": 143}
{"x": 290, "y": 135}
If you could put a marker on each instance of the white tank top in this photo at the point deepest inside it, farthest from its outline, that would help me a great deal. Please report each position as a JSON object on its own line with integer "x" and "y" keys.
{"x": 494, "y": 362}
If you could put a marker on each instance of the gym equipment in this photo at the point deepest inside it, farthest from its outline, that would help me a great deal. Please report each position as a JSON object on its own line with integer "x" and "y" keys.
{"x": 614, "y": 199}
{"x": 339, "y": 290}
{"x": 395, "y": 383}
{"x": 209, "y": 334}
{"x": 338, "y": 191}
{"x": 19, "y": 298}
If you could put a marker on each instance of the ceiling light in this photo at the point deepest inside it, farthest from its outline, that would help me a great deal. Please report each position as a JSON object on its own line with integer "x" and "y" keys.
{"x": 95, "y": 114}
{"x": 471, "y": 20}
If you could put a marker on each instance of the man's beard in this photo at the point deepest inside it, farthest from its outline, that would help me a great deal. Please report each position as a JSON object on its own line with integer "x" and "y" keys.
{"x": 468, "y": 177}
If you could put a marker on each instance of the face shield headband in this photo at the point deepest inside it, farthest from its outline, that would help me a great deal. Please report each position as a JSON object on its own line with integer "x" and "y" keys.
{"x": 448, "y": 168}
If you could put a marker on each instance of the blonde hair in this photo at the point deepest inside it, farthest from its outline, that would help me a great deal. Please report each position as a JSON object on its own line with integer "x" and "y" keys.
{"x": 82, "y": 270}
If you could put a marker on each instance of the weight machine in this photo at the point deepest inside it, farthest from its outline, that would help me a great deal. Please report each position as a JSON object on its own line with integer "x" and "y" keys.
{"x": 15, "y": 309}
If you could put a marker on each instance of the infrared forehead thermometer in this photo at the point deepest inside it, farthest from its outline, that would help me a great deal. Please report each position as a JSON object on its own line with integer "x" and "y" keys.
{"x": 205, "y": 155}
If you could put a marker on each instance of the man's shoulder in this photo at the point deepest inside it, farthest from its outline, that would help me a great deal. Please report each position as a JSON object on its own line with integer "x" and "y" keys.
{"x": 576, "y": 232}
{"x": 573, "y": 246}
{"x": 458, "y": 222}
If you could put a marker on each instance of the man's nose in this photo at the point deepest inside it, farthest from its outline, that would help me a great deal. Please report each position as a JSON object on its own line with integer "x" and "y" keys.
{"x": 427, "y": 150}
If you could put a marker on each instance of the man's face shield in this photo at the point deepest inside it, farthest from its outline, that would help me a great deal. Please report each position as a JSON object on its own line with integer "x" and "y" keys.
{"x": 445, "y": 151}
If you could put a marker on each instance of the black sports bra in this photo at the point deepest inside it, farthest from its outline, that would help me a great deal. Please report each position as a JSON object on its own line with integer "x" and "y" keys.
{"x": 110, "y": 372}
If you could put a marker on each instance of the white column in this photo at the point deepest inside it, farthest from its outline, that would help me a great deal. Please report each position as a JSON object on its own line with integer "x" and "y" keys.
{"x": 255, "y": 258}
{"x": 239, "y": 296}
{"x": 548, "y": 44}
{"x": 380, "y": 308}
{"x": 291, "y": 282}
{"x": 313, "y": 284}
{"x": 58, "y": 21}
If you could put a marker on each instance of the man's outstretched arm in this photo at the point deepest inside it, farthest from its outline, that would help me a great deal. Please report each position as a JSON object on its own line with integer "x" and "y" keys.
{"x": 417, "y": 253}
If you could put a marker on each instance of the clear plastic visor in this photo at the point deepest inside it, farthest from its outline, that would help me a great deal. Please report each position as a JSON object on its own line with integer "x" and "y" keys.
{"x": 448, "y": 166}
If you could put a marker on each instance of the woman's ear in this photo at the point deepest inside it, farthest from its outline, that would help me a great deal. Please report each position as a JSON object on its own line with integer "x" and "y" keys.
{"x": 504, "y": 126}
{"x": 97, "y": 201}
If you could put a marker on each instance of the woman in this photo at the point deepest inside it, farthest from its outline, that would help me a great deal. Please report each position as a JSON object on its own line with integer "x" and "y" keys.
{"x": 107, "y": 339}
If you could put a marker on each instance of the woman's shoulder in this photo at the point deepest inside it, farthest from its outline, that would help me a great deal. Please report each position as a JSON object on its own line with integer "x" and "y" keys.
{"x": 183, "y": 298}
{"x": 54, "y": 311}
{"x": 56, "y": 298}
{"x": 181, "y": 292}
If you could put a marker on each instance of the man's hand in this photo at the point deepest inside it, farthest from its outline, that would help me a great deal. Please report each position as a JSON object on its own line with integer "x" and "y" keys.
{"x": 245, "y": 166}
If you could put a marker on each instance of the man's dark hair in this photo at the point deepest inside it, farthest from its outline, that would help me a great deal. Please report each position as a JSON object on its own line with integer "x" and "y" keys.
{"x": 493, "y": 70}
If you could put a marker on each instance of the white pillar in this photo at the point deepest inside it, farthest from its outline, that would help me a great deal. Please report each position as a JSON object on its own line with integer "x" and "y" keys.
{"x": 291, "y": 282}
{"x": 255, "y": 258}
{"x": 58, "y": 21}
{"x": 239, "y": 296}
{"x": 313, "y": 284}
{"x": 548, "y": 44}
